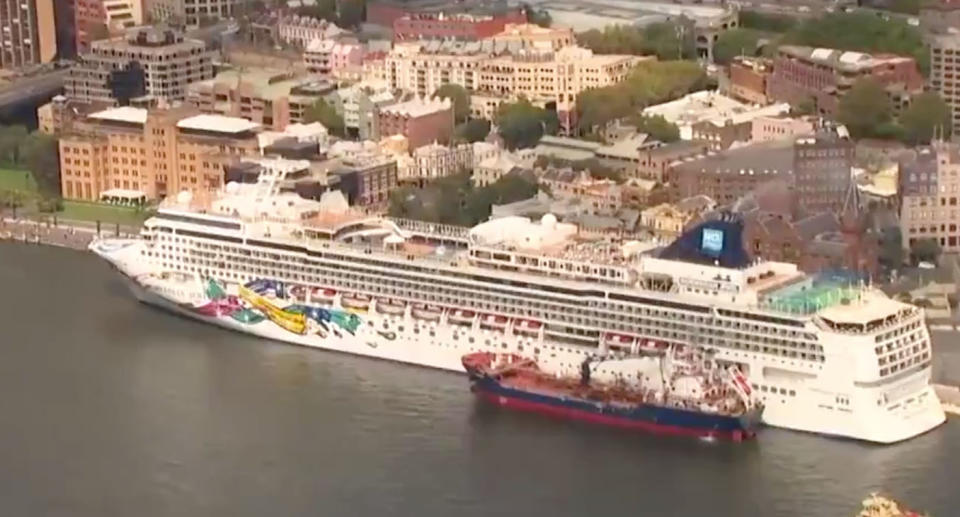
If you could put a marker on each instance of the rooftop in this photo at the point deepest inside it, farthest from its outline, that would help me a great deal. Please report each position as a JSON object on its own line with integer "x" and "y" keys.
{"x": 417, "y": 107}
{"x": 122, "y": 114}
{"x": 772, "y": 158}
{"x": 841, "y": 59}
{"x": 217, "y": 124}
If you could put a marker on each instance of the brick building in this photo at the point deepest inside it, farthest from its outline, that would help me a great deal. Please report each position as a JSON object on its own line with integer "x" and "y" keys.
{"x": 824, "y": 75}
{"x": 654, "y": 161}
{"x": 748, "y": 79}
{"x": 822, "y": 168}
{"x": 157, "y": 153}
{"x": 422, "y": 121}
{"x": 729, "y": 175}
{"x": 463, "y": 27}
{"x": 945, "y": 70}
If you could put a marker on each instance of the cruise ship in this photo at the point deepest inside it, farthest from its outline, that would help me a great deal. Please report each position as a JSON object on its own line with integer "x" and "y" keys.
{"x": 823, "y": 354}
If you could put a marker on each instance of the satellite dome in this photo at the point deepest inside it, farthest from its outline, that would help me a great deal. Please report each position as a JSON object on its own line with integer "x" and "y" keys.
{"x": 184, "y": 197}
{"x": 548, "y": 220}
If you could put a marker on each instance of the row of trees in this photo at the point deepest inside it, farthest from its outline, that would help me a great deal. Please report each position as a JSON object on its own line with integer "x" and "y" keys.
{"x": 455, "y": 199}
{"x": 867, "y": 112}
{"x": 522, "y": 124}
{"x": 34, "y": 152}
{"x": 649, "y": 83}
{"x": 666, "y": 40}
{"x": 344, "y": 13}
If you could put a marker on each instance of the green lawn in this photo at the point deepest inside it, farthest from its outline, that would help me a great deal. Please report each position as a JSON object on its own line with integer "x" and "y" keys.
{"x": 106, "y": 214}
{"x": 13, "y": 179}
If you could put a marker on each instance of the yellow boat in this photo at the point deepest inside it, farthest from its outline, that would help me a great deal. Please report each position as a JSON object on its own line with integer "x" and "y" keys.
{"x": 296, "y": 323}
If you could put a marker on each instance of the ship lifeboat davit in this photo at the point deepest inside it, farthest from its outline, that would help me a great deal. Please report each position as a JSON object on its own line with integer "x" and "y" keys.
{"x": 299, "y": 292}
{"x": 322, "y": 295}
{"x": 494, "y": 321}
{"x": 426, "y": 312}
{"x": 355, "y": 301}
{"x": 390, "y": 306}
{"x": 461, "y": 316}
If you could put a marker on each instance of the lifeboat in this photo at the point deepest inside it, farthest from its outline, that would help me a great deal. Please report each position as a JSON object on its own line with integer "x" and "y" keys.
{"x": 528, "y": 326}
{"x": 390, "y": 306}
{"x": 299, "y": 292}
{"x": 461, "y": 316}
{"x": 322, "y": 295}
{"x": 427, "y": 312}
{"x": 494, "y": 321}
{"x": 355, "y": 301}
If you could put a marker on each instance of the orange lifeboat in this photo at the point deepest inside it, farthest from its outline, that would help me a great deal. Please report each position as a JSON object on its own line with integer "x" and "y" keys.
{"x": 461, "y": 316}
{"x": 494, "y": 321}
{"x": 426, "y": 312}
{"x": 322, "y": 295}
{"x": 390, "y": 306}
{"x": 528, "y": 326}
{"x": 355, "y": 301}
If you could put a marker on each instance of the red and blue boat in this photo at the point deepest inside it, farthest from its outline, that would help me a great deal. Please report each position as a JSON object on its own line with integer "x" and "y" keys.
{"x": 720, "y": 406}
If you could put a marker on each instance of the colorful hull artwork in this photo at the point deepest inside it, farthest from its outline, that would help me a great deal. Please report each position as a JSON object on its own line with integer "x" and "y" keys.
{"x": 258, "y": 301}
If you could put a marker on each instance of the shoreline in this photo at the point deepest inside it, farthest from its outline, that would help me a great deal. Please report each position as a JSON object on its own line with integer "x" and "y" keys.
{"x": 75, "y": 235}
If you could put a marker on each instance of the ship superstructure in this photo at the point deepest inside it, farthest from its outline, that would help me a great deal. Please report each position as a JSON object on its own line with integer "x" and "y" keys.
{"x": 824, "y": 354}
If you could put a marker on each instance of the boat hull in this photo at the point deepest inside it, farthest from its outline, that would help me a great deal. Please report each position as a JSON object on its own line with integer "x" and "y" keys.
{"x": 647, "y": 418}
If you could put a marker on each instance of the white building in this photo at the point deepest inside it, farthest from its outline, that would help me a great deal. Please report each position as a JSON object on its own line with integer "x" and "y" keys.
{"x": 301, "y": 30}
{"x": 710, "y": 106}
{"x": 434, "y": 161}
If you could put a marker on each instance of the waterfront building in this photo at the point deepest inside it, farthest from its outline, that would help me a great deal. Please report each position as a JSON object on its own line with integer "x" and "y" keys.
{"x": 156, "y": 152}
{"x": 148, "y": 65}
{"x": 929, "y": 180}
{"x": 272, "y": 98}
{"x": 823, "y": 76}
{"x": 28, "y": 33}
{"x": 421, "y": 121}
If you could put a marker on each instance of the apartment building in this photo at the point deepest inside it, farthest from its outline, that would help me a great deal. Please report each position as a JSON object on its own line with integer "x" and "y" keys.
{"x": 454, "y": 26}
{"x": 421, "y": 121}
{"x": 929, "y": 191}
{"x": 945, "y": 70}
{"x": 96, "y": 19}
{"x": 824, "y": 75}
{"x": 156, "y": 153}
{"x": 535, "y": 36}
{"x": 302, "y": 30}
{"x": 822, "y": 168}
{"x": 340, "y": 60}
{"x": 503, "y": 70}
{"x": 28, "y": 33}
{"x": 272, "y": 98}
{"x": 149, "y": 65}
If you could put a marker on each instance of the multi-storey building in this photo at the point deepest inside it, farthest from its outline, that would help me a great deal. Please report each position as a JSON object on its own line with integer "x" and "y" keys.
{"x": 97, "y": 19}
{"x": 713, "y": 117}
{"x": 421, "y": 121}
{"x": 157, "y": 153}
{"x": 945, "y": 70}
{"x": 546, "y": 77}
{"x": 824, "y": 75}
{"x": 359, "y": 105}
{"x": 191, "y": 12}
{"x": 272, "y": 98}
{"x": 728, "y": 176}
{"x": 532, "y": 35}
{"x": 766, "y": 129}
{"x": 341, "y": 60}
{"x": 929, "y": 192}
{"x": 822, "y": 169}
{"x": 748, "y": 79}
{"x": 434, "y": 161}
{"x": 28, "y": 33}
{"x": 301, "y": 30}
{"x": 455, "y": 26}
{"x": 152, "y": 64}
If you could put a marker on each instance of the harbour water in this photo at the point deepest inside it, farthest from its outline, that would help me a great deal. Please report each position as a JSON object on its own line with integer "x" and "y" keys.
{"x": 108, "y": 407}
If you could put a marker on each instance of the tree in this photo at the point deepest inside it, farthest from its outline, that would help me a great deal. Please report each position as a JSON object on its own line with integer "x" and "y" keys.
{"x": 472, "y": 131}
{"x": 865, "y": 108}
{"x": 460, "y": 98}
{"x": 735, "y": 42}
{"x": 669, "y": 40}
{"x": 539, "y": 17}
{"x": 766, "y": 22}
{"x": 891, "y": 248}
{"x": 928, "y": 113}
{"x": 322, "y": 9}
{"x": 325, "y": 114}
{"x": 925, "y": 250}
{"x": 10, "y": 139}
{"x": 658, "y": 128}
{"x": 352, "y": 13}
{"x": 522, "y": 124}
{"x": 40, "y": 154}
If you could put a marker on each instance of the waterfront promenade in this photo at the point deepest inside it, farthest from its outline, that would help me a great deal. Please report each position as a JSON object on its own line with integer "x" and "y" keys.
{"x": 65, "y": 234}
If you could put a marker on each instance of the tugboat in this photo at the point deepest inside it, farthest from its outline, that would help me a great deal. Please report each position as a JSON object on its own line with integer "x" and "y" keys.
{"x": 878, "y": 506}
{"x": 694, "y": 396}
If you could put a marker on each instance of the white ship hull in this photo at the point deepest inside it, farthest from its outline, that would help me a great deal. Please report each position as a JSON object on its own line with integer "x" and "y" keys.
{"x": 441, "y": 345}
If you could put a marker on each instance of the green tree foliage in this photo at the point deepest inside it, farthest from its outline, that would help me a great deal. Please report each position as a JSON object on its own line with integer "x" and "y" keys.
{"x": 865, "y": 109}
{"x": 925, "y": 250}
{"x": 10, "y": 139}
{"x": 325, "y": 114}
{"x": 891, "y": 248}
{"x": 535, "y": 16}
{"x": 40, "y": 154}
{"x": 658, "y": 128}
{"x": 321, "y": 9}
{"x": 665, "y": 40}
{"x": 904, "y": 6}
{"x": 454, "y": 200}
{"x": 735, "y": 42}
{"x": 927, "y": 113}
{"x": 649, "y": 83}
{"x": 352, "y": 13}
{"x": 766, "y": 22}
{"x": 472, "y": 131}
{"x": 863, "y": 32}
{"x": 522, "y": 124}
{"x": 460, "y": 98}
